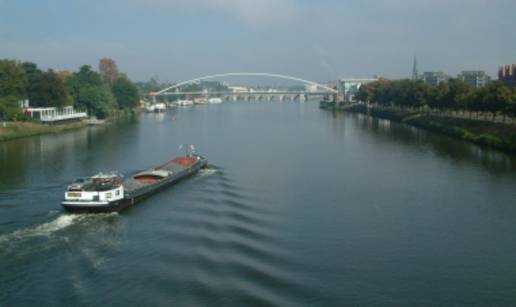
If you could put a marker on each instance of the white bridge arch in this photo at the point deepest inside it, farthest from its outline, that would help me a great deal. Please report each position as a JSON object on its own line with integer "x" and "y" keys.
{"x": 246, "y": 74}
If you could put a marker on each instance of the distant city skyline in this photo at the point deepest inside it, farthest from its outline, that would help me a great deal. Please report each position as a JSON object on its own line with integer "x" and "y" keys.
{"x": 324, "y": 40}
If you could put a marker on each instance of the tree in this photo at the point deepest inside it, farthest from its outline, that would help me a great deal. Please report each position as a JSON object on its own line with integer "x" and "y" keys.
{"x": 152, "y": 85}
{"x": 90, "y": 93}
{"x": 409, "y": 93}
{"x": 510, "y": 109}
{"x": 476, "y": 101}
{"x": 440, "y": 97}
{"x": 97, "y": 100}
{"x": 108, "y": 70}
{"x": 9, "y": 108}
{"x": 64, "y": 75}
{"x": 421, "y": 93}
{"x": 382, "y": 92}
{"x": 47, "y": 89}
{"x": 12, "y": 88}
{"x": 364, "y": 93}
{"x": 34, "y": 76}
{"x": 497, "y": 98}
{"x": 125, "y": 92}
{"x": 12, "y": 79}
{"x": 455, "y": 95}
{"x": 459, "y": 94}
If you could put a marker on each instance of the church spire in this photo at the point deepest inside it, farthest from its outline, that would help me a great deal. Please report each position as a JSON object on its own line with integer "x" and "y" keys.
{"x": 415, "y": 73}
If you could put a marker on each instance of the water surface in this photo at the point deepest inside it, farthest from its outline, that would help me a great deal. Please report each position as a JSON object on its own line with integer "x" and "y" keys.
{"x": 302, "y": 207}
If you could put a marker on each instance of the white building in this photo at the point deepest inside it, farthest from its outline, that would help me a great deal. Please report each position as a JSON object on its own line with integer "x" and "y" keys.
{"x": 348, "y": 88}
{"x": 54, "y": 115}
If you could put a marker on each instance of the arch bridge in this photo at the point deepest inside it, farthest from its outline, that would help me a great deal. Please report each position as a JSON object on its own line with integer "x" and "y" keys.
{"x": 323, "y": 89}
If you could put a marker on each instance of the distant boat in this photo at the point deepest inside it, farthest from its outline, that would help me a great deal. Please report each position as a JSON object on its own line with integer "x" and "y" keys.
{"x": 200, "y": 101}
{"x": 150, "y": 108}
{"x": 93, "y": 121}
{"x": 183, "y": 103}
{"x": 160, "y": 107}
{"x": 215, "y": 100}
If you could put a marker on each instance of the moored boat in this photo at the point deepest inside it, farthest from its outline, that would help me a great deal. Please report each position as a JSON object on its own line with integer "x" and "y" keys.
{"x": 150, "y": 108}
{"x": 160, "y": 107}
{"x": 184, "y": 103}
{"x": 112, "y": 193}
{"x": 200, "y": 101}
{"x": 215, "y": 100}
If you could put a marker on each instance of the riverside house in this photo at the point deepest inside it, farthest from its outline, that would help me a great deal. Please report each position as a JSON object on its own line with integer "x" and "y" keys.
{"x": 54, "y": 115}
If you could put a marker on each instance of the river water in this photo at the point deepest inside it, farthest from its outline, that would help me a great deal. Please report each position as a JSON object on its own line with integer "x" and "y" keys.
{"x": 301, "y": 207}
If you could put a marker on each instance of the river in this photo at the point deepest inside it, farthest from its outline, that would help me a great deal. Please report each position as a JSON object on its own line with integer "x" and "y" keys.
{"x": 301, "y": 207}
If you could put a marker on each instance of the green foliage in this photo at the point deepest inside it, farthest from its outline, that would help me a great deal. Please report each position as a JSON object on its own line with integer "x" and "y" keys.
{"x": 402, "y": 93}
{"x": 192, "y": 87}
{"x": 48, "y": 90}
{"x": 12, "y": 89}
{"x": 364, "y": 94}
{"x": 96, "y": 99}
{"x": 9, "y": 108}
{"x": 459, "y": 93}
{"x": 12, "y": 79}
{"x": 90, "y": 93}
{"x": 34, "y": 76}
{"x": 126, "y": 93}
{"x": 497, "y": 98}
{"x": 150, "y": 86}
{"x": 85, "y": 89}
{"x": 510, "y": 108}
{"x": 453, "y": 95}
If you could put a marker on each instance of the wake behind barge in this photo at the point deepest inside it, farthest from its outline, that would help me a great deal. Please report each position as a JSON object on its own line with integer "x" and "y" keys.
{"x": 109, "y": 193}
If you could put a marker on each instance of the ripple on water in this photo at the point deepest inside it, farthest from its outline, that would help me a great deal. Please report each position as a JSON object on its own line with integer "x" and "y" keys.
{"x": 232, "y": 248}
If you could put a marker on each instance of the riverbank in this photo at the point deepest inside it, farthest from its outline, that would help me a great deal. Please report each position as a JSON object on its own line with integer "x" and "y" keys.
{"x": 16, "y": 130}
{"x": 496, "y": 135}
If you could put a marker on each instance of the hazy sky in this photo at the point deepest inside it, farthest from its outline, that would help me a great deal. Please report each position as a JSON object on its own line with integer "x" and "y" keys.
{"x": 314, "y": 39}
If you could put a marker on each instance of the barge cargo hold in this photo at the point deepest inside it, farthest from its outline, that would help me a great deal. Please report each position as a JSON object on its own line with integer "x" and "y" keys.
{"x": 110, "y": 193}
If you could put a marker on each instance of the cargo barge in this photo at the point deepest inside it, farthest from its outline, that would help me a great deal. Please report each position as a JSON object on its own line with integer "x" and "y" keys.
{"x": 111, "y": 193}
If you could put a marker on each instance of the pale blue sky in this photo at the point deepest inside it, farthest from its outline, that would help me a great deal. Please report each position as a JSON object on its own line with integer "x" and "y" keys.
{"x": 319, "y": 40}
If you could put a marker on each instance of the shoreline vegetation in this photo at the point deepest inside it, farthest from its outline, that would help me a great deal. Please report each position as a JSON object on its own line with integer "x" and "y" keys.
{"x": 501, "y": 136}
{"x": 106, "y": 95}
{"x": 484, "y": 115}
{"x": 20, "y": 129}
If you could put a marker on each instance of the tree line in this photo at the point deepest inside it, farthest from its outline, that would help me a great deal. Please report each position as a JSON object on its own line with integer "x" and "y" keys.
{"x": 457, "y": 95}
{"x": 99, "y": 93}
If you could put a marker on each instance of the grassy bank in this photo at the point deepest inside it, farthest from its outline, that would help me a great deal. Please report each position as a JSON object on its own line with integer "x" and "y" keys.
{"x": 496, "y": 135}
{"x": 16, "y": 130}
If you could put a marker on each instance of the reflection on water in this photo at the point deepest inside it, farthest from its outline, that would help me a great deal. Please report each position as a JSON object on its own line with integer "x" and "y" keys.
{"x": 459, "y": 151}
{"x": 19, "y": 158}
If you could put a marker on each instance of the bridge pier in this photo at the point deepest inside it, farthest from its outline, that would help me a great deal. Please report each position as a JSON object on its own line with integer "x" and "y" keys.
{"x": 249, "y": 96}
